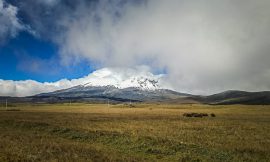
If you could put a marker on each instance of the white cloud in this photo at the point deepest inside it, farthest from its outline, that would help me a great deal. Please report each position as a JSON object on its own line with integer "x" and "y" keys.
{"x": 10, "y": 24}
{"x": 119, "y": 77}
{"x": 49, "y": 3}
{"x": 206, "y": 46}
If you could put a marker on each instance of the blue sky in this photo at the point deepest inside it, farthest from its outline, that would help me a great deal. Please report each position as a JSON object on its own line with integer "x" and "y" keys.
{"x": 20, "y": 55}
{"x": 27, "y": 42}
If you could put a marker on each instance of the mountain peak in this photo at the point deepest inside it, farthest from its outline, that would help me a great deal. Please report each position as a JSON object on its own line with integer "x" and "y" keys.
{"x": 140, "y": 82}
{"x": 119, "y": 78}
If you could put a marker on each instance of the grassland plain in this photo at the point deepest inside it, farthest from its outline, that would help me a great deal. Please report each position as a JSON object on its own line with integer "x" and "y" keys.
{"x": 146, "y": 132}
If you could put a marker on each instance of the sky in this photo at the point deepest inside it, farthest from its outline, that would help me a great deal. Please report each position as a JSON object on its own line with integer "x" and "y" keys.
{"x": 199, "y": 46}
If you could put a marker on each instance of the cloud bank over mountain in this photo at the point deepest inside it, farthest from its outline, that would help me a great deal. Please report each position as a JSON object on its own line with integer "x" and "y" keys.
{"x": 119, "y": 77}
{"x": 203, "y": 46}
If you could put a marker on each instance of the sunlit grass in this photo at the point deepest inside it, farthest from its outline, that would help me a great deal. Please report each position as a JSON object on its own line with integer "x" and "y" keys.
{"x": 147, "y": 132}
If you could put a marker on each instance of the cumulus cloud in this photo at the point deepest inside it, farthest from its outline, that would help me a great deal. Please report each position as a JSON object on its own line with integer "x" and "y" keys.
{"x": 10, "y": 24}
{"x": 205, "y": 46}
{"x": 119, "y": 77}
{"x": 49, "y": 2}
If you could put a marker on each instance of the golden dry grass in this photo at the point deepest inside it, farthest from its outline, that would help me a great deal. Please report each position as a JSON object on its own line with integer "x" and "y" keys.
{"x": 147, "y": 132}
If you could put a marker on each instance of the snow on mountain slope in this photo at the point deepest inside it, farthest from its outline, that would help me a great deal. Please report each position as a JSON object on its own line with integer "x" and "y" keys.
{"x": 139, "y": 77}
{"x": 124, "y": 78}
{"x": 137, "y": 84}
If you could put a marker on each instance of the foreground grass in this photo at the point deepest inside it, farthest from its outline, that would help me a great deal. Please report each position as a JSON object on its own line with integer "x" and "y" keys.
{"x": 81, "y": 132}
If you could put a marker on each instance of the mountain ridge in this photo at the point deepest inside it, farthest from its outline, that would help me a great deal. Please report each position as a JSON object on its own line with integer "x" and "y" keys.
{"x": 103, "y": 94}
{"x": 237, "y": 97}
{"x": 111, "y": 91}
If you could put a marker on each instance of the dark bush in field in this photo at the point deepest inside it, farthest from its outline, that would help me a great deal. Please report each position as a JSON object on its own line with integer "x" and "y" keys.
{"x": 13, "y": 110}
{"x": 212, "y": 115}
{"x": 198, "y": 115}
{"x": 204, "y": 114}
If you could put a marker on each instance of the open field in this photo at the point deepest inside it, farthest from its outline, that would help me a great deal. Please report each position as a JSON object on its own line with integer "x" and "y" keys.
{"x": 85, "y": 132}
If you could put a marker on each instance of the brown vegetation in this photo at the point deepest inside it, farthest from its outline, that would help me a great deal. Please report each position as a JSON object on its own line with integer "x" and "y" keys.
{"x": 197, "y": 115}
{"x": 82, "y": 132}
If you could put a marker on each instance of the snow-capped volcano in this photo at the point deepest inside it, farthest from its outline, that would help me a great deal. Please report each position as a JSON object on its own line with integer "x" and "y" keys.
{"x": 143, "y": 83}
{"x": 119, "y": 85}
{"x": 138, "y": 77}
{"x": 124, "y": 78}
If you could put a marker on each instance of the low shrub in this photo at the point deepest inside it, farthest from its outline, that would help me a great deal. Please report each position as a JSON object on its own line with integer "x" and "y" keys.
{"x": 198, "y": 115}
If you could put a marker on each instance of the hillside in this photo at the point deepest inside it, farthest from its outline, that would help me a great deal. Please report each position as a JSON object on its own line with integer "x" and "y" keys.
{"x": 237, "y": 97}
